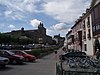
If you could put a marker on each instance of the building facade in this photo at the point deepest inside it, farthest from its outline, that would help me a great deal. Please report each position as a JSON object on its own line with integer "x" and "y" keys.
{"x": 87, "y": 33}
{"x": 69, "y": 40}
{"x": 77, "y": 35}
{"x": 86, "y": 30}
{"x": 59, "y": 40}
{"x": 95, "y": 13}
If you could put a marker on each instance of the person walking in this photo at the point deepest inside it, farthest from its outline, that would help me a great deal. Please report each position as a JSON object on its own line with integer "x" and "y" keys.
{"x": 56, "y": 56}
{"x": 97, "y": 54}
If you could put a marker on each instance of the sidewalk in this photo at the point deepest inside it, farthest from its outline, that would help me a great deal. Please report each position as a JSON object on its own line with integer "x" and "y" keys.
{"x": 59, "y": 52}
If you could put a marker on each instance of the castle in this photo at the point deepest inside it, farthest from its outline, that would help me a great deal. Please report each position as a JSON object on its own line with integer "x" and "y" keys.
{"x": 38, "y": 35}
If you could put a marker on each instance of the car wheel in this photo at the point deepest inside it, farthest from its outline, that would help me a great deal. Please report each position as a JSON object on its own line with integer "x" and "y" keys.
{"x": 2, "y": 66}
{"x": 26, "y": 59}
{"x": 14, "y": 62}
{"x": 32, "y": 60}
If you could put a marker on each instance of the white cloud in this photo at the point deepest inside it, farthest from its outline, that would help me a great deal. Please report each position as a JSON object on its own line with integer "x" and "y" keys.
{"x": 7, "y": 13}
{"x": 60, "y": 26}
{"x": 51, "y": 32}
{"x": 13, "y": 15}
{"x": 62, "y": 10}
{"x": 18, "y": 16}
{"x": 16, "y": 9}
{"x": 11, "y": 27}
{"x": 65, "y": 10}
{"x": 35, "y": 23}
{"x": 20, "y": 5}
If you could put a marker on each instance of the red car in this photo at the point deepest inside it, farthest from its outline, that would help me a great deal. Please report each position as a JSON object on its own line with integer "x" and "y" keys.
{"x": 28, "y": 57}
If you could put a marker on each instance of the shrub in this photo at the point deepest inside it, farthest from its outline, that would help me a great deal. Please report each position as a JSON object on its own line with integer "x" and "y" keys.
{"x": 35, "y": 52}
{"x": 42, "y": 52}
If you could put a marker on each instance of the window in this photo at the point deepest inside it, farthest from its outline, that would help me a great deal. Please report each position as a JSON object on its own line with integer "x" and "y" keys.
{"x": 5, "y": 53}
{"x": 85, "y": 47}
{"x": 84, "y": 37}
{"x": 19, "y": 53}
{"x": 88, "y": 22}
{"x": 89, "y": 34}
{"x": 94, "y": 28}
{"x": 84, "y": 24}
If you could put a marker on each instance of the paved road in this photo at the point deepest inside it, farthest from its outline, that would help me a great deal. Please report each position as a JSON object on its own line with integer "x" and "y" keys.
{"x": 43, "y": 66}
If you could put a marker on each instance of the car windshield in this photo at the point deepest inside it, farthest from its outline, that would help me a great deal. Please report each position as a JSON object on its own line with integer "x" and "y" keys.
{"x": 11, "y": 53}
{"x": 24, "y": 52}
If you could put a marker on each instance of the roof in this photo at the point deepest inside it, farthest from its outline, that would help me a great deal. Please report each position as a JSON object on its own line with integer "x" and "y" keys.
{"x": 93, "y": 3}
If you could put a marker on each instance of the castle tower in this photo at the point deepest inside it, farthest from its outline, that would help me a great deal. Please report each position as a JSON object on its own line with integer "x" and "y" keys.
{"x": 40, "y": 25}
{"x": 22, "y": 29}
{"x": 41, "y": 29}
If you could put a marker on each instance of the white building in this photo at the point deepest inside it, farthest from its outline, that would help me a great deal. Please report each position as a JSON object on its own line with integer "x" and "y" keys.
{"x": 86, "y": 30}
{"x": 87, "y": 34}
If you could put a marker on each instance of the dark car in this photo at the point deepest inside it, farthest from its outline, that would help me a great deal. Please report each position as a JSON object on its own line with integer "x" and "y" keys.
{"x": 27, "y": 56}
{"x": 3, "y": 61}
{"x": 13, "y": 58}
{"x": 73, "y": 54}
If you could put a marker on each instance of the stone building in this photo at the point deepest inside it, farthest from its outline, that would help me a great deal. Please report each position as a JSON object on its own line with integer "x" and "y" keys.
{"x": 59, "y": 40}
{"x": 38, "y": 35}
{"x": 69, "y": 40}
{"x": 77, "y": 35}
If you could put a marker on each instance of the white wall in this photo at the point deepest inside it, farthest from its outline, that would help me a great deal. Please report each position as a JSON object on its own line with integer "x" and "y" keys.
{"x": 65, "y": 42}
{"x": 89, "y": 42}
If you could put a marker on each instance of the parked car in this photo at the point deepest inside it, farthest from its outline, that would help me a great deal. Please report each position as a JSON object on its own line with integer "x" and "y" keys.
{"x": 3, "y": 61}
{"x": 73, "y": 54}
{"x": 13, "y": 58}
{"x": 28, "y": 57}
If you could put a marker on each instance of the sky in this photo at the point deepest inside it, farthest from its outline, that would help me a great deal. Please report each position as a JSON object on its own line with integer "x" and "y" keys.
{"x": 58, "y": 16}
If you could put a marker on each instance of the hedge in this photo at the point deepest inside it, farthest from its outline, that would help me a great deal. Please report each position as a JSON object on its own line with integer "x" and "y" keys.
{"x": 42, "y": 52}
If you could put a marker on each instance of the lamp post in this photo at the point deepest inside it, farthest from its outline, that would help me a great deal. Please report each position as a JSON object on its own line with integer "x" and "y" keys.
{"x": 40, "y": 42}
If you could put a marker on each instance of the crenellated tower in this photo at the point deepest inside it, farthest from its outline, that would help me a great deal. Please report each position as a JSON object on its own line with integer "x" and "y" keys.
{"x": 41, "y": 29}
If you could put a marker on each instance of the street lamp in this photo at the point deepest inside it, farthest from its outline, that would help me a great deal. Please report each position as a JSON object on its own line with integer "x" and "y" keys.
{"x": 40, "y": 42}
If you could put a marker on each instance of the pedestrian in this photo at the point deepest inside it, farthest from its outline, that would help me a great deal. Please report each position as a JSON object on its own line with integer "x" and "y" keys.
{"x": 97, "y": 54}
{"x": 55, "y": 52}
{"x": 64, "y": 49}
{"x": 56, "y": 57}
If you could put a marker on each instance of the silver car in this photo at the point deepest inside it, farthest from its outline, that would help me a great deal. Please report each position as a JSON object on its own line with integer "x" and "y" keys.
{"x": 3, "y": 61}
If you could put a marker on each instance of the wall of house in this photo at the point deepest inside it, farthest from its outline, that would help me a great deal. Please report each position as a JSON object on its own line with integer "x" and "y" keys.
{"x": 96, "y": 25}
{"x": 88, "y": 43}
{"x": 77, "y": 36}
